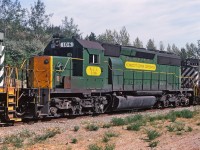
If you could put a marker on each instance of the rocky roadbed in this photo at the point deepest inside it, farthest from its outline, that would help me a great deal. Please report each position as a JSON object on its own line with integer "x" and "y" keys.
{"x": 67, "y": 138}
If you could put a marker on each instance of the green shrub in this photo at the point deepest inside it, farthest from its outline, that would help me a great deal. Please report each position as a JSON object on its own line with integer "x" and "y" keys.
{"x": 134, "y": 127}
{"x": 26, "y": 134}
{"x": 107, "y": 125}
{"x": 111, "y": 134}
{"x": 76, "y": 128}
{"x": 180, "y": 114}
{"x": 4, "y": 147}
{"x": 171, "y": 116}
{"x": 132, "y": 119}
{"x": 187, "y": 114}
{"x": 92, "y": 127}
{"x": 152, "y": 119}
{"x": 170, "y": 128}
{"x": 105, "y": 139}
{"x": 110, "y": 147}
{"x": 118, "y": 121}
{"x": 152, "y": 134}
{"x": 179, "y": 126}
{"x": 176, "y": 126}
{"x": 189, "y": 129}
{"x": 158, "y": 117}
{"x": 153, "y": 144}
{"x": 94, "y": 147}
{"x": 15, "y": 140}
{"x": 74, "y": 140}
{"x": 179, "y": 133}
{"x": 48, "y": 134}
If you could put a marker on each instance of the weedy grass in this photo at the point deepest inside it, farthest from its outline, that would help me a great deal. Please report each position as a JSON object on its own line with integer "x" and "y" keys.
{"x": 17, "y": 139}
{"x": 181, "y": 114}
{"x": 173, "y": 115}
{"x": 48, "y": 134}
{"x": 4, "y": 147}
{"x": 153, "y": 144}
{"x": 189, "y": 129}
{"x": 132, "y": 119}
{"x": 179, "y": 133}
{"x": 152, "y": 134}
{"x": 134, "y": 127}
{"x": 74, "y": 140}
{"x": 76, "y": 128}
{"x": 108, "y": 135}
{"x": 92, "y": 127}
{"x": 94, "y": 147}
{"x": 111, "y": 134}
{"x": 178, "y": 127}
{"x": 107, "y": 125}
{"x": 26, "y": 134}
{"x": 157, "y": 117}
{"x": 118, "y": 121}
{"x": 170, "y": 128}
{"x": 105, "y": 139}
{"x": 109, "y": 147}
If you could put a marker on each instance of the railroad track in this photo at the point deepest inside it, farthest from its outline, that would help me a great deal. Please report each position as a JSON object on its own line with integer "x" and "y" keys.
{"x": 109, "y": 115}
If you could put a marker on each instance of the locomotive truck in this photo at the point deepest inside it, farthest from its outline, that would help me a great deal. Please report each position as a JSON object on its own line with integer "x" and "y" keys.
{"x": 77, "y": 77}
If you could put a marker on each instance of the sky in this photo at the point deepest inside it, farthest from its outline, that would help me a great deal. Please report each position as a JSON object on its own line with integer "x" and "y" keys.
{"x": 170, "y": 21}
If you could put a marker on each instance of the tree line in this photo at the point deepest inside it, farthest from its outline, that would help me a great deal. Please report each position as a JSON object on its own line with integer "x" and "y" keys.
{"x": 28, "y": 31}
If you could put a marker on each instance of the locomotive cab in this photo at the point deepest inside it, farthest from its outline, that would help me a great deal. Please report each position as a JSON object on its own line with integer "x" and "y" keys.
{"x": 68, "y": 65}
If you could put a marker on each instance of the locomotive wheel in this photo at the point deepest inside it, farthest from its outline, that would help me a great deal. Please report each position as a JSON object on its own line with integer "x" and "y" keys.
{"x": 176, "y": 104}
{"x": 159, "y": 105}
{"x": 166, "y": 103}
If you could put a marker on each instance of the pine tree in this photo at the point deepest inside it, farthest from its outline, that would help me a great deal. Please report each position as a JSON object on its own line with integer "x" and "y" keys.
{"x": 151, "y": 45}
{"x": 124, "y": 37}
{"x": 169, "y": 48}
{"x": 137, "y": 43}
{"x": 92, "y": 37}
{"x": 69, "y": 28}
{"x": 39, "y": 21}
{"x": 162, "y": 48}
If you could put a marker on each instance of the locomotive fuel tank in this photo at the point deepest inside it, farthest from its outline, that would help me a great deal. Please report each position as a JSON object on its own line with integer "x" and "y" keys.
{"x": 129, "y": 102}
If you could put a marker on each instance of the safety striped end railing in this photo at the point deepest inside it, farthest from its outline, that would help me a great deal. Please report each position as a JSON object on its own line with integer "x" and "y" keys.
{"x": 2, "y": 58}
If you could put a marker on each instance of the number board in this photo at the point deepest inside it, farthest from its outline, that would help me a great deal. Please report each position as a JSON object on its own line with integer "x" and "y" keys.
{"x": 66, "y": 44}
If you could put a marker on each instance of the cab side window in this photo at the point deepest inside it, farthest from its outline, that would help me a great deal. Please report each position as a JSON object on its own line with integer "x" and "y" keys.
{"x": 94, "y": 59}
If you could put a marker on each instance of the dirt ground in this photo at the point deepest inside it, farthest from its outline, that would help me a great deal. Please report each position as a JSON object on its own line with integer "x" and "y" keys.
{"x": 186, "y": 138}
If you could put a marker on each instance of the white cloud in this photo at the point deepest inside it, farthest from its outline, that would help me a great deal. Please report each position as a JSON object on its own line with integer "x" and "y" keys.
{"x": 172, "y": 21}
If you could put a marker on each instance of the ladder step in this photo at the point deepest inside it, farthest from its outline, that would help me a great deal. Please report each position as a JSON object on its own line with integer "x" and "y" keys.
{"x": 10, "y": 108}
{"x": 16, "y": 119}
{"x": 11, "y": 103}
{"x": 43, "y": 115}
{"x": 11, "y": 111}
{"x": 40, "y": 106}
{"x": 11, "y": 100}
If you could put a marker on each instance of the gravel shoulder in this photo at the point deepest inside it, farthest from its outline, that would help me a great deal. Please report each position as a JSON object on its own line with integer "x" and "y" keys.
{"x": 126, "y": 140}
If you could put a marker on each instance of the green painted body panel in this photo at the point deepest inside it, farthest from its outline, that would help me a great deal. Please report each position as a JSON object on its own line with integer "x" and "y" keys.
{"x": 93, "y": 82}
{"x": 165, "y": 77}
{"x": 113, "y": 76}
{"x": 61, "y": 69}
{"x": 85, "y": 81}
